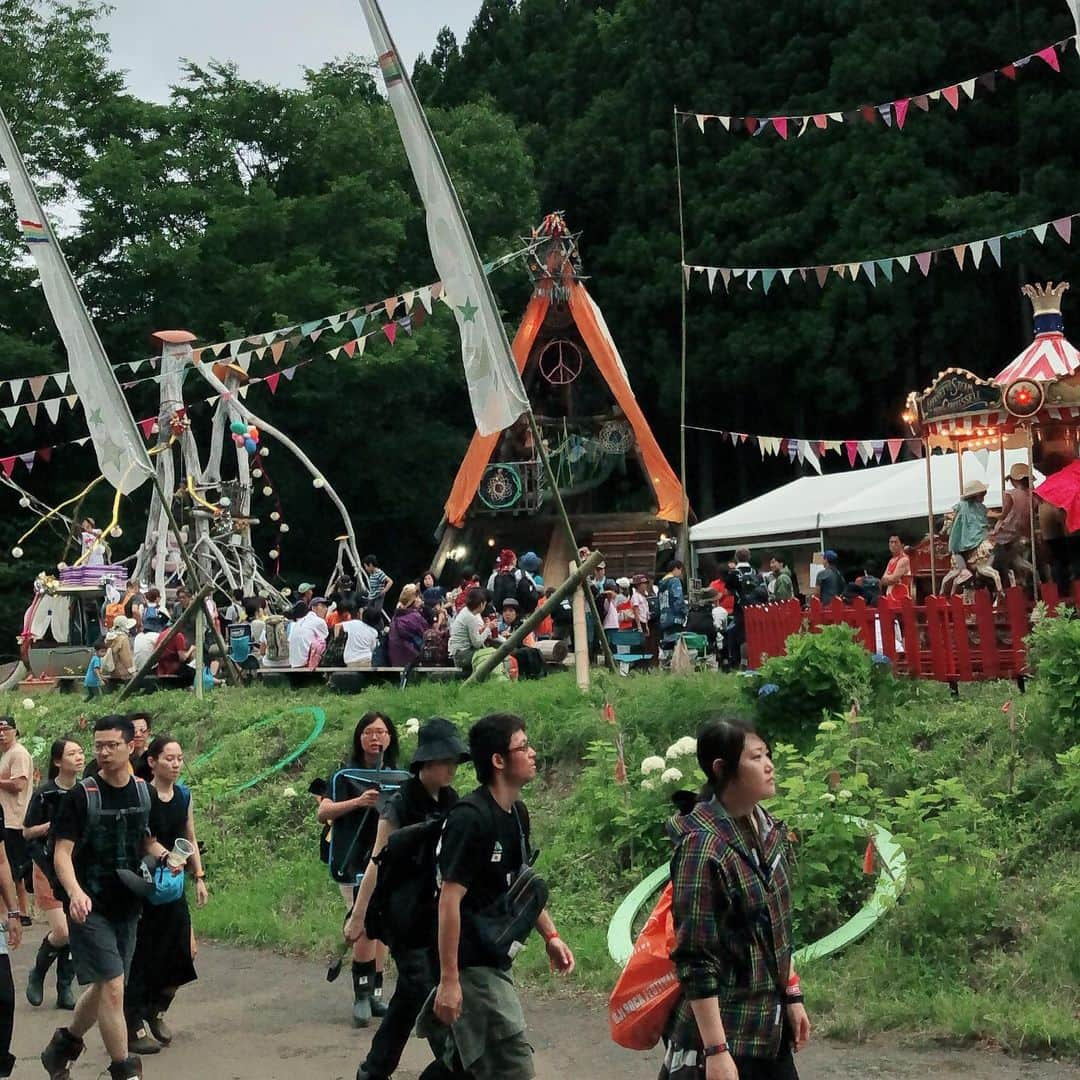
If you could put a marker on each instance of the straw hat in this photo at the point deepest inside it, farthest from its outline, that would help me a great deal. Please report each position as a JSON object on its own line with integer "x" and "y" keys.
{"x": 973, "y": 488}
{"x": 1019, "y": 472}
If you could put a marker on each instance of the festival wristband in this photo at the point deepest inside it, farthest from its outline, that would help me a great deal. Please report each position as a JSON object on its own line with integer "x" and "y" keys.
{"x": 714, "y": 1051}
{"x": 14, "y": 914}
{"x": 549, "y": 938}
{"x": 794, "y": 992}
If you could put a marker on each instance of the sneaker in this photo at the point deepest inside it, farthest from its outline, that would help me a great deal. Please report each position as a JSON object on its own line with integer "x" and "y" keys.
{"x": 140, "y": 1042}
{"x": 26, "y": 920}
{"x": 159, "y": 1028}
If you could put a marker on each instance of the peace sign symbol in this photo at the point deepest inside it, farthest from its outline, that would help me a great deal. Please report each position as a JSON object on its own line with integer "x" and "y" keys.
{"x": 561, "y": 362}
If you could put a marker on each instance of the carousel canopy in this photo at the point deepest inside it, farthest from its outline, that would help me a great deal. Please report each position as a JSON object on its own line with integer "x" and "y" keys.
{"x": 883, "y": 493}
{"x": 1051, "y": 355}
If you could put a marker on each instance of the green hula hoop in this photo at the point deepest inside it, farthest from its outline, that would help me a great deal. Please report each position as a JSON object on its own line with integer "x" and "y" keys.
{"x": 319, "y": 722}
{"x": 890, "y": 883}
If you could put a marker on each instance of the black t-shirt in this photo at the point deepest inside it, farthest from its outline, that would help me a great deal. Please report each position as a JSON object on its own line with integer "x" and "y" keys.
{"x": 481, "y": 848}
{"x": 412, "y": 804}
{"x": 168, "y": 820}
{"x": 115, "y": 900}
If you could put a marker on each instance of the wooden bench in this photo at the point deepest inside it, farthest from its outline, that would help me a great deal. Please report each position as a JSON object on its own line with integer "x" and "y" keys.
{"x": 352, "y": 680}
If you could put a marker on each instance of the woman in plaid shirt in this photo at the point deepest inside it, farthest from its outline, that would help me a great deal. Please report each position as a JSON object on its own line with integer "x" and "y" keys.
{"x": 741, "y": 1014}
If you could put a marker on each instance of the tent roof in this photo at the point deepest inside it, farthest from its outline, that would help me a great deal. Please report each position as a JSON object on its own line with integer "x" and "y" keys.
{"x": 882, "y": 493}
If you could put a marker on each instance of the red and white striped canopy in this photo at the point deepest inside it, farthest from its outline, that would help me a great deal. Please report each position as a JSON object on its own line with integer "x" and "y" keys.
{"x": 1050, "y": 356}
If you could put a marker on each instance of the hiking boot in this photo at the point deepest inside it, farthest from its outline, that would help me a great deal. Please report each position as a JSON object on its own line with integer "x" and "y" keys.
{"x": 140, "y": 1041}
{"x": 35, "y": 984}
{"x": 62, "y": 1050}
{"x": 65, "y": 978}
{"x": 363, "y": 975}
{"x": 128, "y": 1069}
{"x": 159, "y": 1028}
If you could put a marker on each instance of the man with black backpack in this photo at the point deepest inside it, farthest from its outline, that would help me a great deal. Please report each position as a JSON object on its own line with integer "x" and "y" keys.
{"x": 102, "y": 827}
{"x": 398, "y": 897}
{"x": 489, "y": 902}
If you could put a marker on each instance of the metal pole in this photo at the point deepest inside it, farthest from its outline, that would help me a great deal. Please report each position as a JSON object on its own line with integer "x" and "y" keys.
{"x": 1031, "y": 516}
{"x": 682, "y": 377}
{"x": 930, "y": 514}
{"x": 581, "y": 636}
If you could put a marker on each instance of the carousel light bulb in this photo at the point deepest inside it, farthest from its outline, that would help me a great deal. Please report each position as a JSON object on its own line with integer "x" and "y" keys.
{"x": 275, "y": 516}
{"x": 491, "y": 541}
{"x": 16, "y": 552}
{"x": 117, "y": 531}
{"x": 273, "y": 553}
{"x": 224, "y": 502}
{"x": 24, "y": 502}
{"x": 318, "y": 482}
{"x": 264, "y": 451}
{"x": 286, "y": 592}
{"x": 268, "y": 491}
{"x": 61, "y": 566}
{"x": 284, "y": 527}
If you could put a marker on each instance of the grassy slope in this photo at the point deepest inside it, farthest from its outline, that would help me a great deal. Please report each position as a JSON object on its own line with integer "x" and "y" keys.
{"x": 1009, "y": 976}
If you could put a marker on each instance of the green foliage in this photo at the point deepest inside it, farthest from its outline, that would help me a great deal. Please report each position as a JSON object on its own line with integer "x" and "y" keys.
{"x": 828, "y": 671}
{"x": 1054, "y": 654}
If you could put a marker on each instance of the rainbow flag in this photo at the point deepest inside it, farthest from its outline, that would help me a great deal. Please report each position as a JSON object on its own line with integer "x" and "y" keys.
{"x": 391, "y": 67}
{"x": 33, "y": 232}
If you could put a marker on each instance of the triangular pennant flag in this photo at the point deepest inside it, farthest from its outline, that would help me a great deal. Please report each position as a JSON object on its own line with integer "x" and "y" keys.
{"x": 976, "y": 247}
{"x": 885, "y": 266}
{"x": 869, "y": 270}
{"x": 686, "y": 275}
{"x": 333, "y": 354}
{"x": 437, "y": 291}
{"x": 71, "y": 399}
{"x": 734, "y": 436}
{"x": 31, "y": 411}
{"x": 923, "y": 259}
{"x": 852, "y": 448}
{"x": 917, "y": 446}
{"x": 61, "y": 379}
{"x": 260, "y": 352}
{"x": 1040, "y": 231}
{"x": 289, "y": 372}
{"x": 336, "y": 322}
{"x": 793, "y": 450}
{"x": 868, "y": 113}
{"x": 136, "y": 364}
{"x": 701, "y": 122}
{"x": 994, "y": 244}
{"x": 804, "y": 123}
{"x": 821, "y": 121}
{"x": 45, "y": 453}
{"x": 28, "y": 459}
{"x": 362, "y": 343}
{"x": 921, "y": 102}
{"x": 822, "y": 274}
{"x": 52, "y": 408}
{"x": 243, "y": 361}
{"x": 960, "y": 251}
{"x": 15, "y": 385}
{"x": 316, "y": 334}
{"x": 988, "y": 81}
{"x": 710, "y": 273}
{"x": 276, "y": 351}
{"x": 726, "y": 121}
{"x": 767, "y": 278}
{"x": 360, "y": 320}
{"x": 725, "y": 276}
{"x": 837, "y": 117}
{"x": 147, "y": 427}
{"x": 310, "y": 327}
{"x": 764, "y": 126}
{"x": 886, "y": 114}
{"x": 37, "y": 384}
{"x": 390, "y": 330}
{"x": 83, "y": 441}
{"x": 212, "y": 399}
{"x": 1009, "y": 71}
{"x": 750, "y": 275}
{"x": 271, "y": 380}
{"x": 952, "y": 96}
{"x": 234, "y": 347}
{"x": 243, "y": 391}
{"x": 831, "y": 446}
{"x": 418, "y": 317}
{"x": 425, "y": 298}
{"x": 934, "y": 95}
{"x": 1063, "y": 227}
{"x": 900, "y": 108}
{"x": 879, "y": 448}
{"x": 786, "y": 274}
{"x": 895, "y": 446}
{"x": 349, "y": 348}
{"x": 808, "y": 453}
{"x": 8, "y": 465}
{"x": 781, "y": 125}
{"x": 1049, "y": 54}
{"x": 751, "y": 123}
{"x": 905, "y": 262}
{"x": 865, "y": 450}
{"x": 853, "y": 269}
{"x": 968, "y": 86}
{"x": 390, "y": 304}
{"x": 218, "y": 348}
{"x": 737, "y": 272}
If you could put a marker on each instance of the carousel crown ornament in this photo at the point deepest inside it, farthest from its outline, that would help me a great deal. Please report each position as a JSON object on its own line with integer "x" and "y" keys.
{"x": 1051, "y": 355}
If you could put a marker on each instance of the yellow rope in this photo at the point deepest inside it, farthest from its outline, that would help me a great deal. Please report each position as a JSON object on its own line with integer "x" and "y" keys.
{"x": 56, "y": 510}
{"x": 196, "y": 497}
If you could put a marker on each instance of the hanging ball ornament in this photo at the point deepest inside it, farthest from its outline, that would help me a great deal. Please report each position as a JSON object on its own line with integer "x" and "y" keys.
{"x": 318, "y": 482}
{"x": 268, "y": 491}
{"x": 16, "y": 552}
{"x": 238, "y": 427}
{"x": 250, "y": 445}
{"x": 284, "y": 527}
{"x": 256, "y": 473}
{"x": 117, "y": 531}
{"x": 238, "y": 440}
{"x": 24, "y": 502}
{"x": 274, "y": 553}
{"x": 61, "y": 566}
{"x": 264, "y": 451}
{"x": 275, "y": 516}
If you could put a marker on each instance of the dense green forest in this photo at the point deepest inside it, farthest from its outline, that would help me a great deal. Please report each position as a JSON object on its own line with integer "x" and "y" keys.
{"x": 238, "y": 207}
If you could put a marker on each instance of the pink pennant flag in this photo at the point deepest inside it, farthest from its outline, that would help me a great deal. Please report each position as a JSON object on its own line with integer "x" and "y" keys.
{"x": 901, "y": 108}
{"x": 1049, "y": 54}
{"x": 1009, "y": 71}
{"x": 781, "y": 125}
{"x": 822, "y": 274}
{"x": 272, "y": 381}
{"x": 923, "y": 260}
{"x": 147, "y": 427}
{"x": 895, "y": 446}
{"x": 1063, "y": 227}
{"x": 390, "y": 330}
{"x": 37, "y": 384}
{"x": 8, "y": 465}
{"x": 960, "y": 251}
{"x": 31, "y": 411}
{"x": 820, "y": 120}
{"x": 952, "y": 95}
{"x": 349, "y": 348}
{"x": 922, "y": 101}
{"x": 852, "y": 448}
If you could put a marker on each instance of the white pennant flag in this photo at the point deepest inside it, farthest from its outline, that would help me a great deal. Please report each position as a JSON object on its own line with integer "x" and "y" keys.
{"x": 120, "y": 450}
{"x": 495, "y": 390}
{"x": 701, "y": 122}
{"x": 976, "y": 249}
{"x": 710, "y": 273}
{"x": 61, "y": 380}
{"x": 10, "y": 413}
{"x": 52, "y": 408}
{"x": 15, "y": 386}
{"x": 1040, "y": 231}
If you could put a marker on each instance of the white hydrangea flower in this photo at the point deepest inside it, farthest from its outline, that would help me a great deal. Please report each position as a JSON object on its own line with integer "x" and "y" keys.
{"x": 653, "y": 764}
{"x": 671, "y": 776}
{"x": 289, "y": 793}
{"x": 27, "y": 702}
{"x": 843, "y": 794}
{"x": 648, "y": 785}
{"x": 412, "y": 726}
{"x": 828, "y": 797}
{"x": 684, "y": 747}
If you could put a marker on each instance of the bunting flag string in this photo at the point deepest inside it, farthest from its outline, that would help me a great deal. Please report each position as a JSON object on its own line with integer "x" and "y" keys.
{"x": 276, "y": 341}
{"x": 967, "y": 254}
{"x": 811, "y": 451}
{"x": 893, "y": 114}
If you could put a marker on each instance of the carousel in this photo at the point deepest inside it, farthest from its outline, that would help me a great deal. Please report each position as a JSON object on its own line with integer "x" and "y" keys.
{"x": 1032, "y": 405}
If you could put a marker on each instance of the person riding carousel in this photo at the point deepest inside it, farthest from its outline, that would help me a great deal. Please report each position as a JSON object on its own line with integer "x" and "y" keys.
{"x": 969, "y": 541}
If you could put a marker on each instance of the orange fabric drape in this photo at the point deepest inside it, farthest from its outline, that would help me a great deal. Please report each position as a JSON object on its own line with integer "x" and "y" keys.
{"x": 467, "y": 481}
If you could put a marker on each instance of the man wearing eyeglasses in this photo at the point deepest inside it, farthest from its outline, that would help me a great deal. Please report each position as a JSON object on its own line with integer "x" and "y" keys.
{"x": 482, "y": 856}
{"x": 102, "y": 828}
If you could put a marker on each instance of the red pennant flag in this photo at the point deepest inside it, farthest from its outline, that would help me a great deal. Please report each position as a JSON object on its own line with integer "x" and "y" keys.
{"x": 901, "y": 108}
{"x": 390, "y": 330}
{"x": 8, "y": 465}
{"x": 868, "y": 858}
{"x": 349, "y": 348}
{"x": 923, "y": 260}
{"x": 781, "y": 124}
{"x": 45, "y": 453}
{"x": 419, "y": 316}
{"x": 272, "y": 381}
{"x": 1049, "y": 54}
{"x": 952, "y": 95}
{"x": 147, "y": 427}
{"x": 868, "y": 113}
{"x": 852, "y": 448}
{"x": 820, "y": 120}
{"x": 1063, "y": 227}
{"x": 917, "y": 448}
{"x": 922, "y": 102}
{"x": 751, "y": 123}
{"x": 743, "y": 438}
{"x": 1009, "y": 71}
{"x": 895, "y": 446}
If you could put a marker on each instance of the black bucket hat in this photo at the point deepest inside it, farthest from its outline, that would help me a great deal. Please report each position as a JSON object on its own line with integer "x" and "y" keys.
{"x": 439, "y": 740}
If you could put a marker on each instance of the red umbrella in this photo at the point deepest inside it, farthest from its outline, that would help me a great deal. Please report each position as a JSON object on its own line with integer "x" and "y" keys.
{"x": 1062, "y": 489}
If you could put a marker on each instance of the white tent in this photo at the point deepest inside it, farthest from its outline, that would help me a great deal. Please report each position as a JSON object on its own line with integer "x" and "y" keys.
{"x": 812, "y": 506}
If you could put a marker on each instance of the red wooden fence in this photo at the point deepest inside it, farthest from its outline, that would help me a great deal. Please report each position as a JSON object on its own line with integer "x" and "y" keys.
{"x": 944, "y": 639}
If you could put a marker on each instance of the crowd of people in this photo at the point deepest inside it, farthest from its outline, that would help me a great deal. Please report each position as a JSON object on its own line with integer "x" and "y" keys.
{"x": 102, "y": 850}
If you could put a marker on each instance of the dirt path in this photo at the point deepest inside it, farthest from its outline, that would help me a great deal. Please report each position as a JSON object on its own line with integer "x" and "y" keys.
{"x": 258, "y": 1016}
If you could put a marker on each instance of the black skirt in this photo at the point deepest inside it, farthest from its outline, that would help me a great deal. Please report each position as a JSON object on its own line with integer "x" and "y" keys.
{"x": 162, "y": 958}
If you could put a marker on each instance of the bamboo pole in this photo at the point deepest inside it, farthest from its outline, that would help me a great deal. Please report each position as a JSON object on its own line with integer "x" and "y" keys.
{"x": 930, "y": 514}
{"x": 581, "y": 638}
{"x": 576, "y": 578}
{"x": 1031, "y": 517}
{"x": 685, "y": 532}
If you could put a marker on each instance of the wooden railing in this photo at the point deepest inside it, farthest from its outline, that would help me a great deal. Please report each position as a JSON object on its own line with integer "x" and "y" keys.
{"x": 944, "y": 639}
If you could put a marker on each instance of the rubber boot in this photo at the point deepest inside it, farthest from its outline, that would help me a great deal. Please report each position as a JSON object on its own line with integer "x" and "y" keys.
{"x": 140, "y": 1041}
{"x": 62, "y": 1050}
{"x": 378, "y": 1005}
{"x": 35, "y": 984}
{"x": 65, "y": 979}
{"x": 363, "y": 975}
{"x": 156, "y": 1021}
{"x": 7, "y": 1065}
{"x": 128, "y": 1069}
